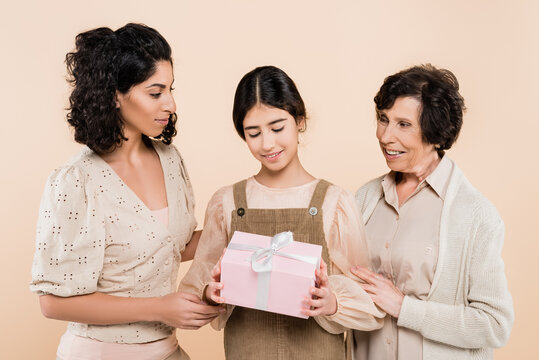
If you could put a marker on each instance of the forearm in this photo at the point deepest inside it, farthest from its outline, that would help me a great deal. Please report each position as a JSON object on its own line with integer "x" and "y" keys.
{"x": 355, "y": 310}
{"x": 486, "y": 318}
{"x": 189, "y": 251}
{"x": 477, "y": 325}
{"x": 100, "y": 309}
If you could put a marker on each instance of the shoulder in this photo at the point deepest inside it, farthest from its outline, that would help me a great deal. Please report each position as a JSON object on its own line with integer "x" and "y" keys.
{"x": 372, "y": 186}
{"x": 340, "y": 194}
{"x": 368, "y": 195}
{"x": 170, "y": 149}
{"x": 466, "y": 199}
{"x": 74, "y": 173}
{"x": 68, "y": 187}
{"x": 340, "y": 202}
{"x": 220, "y": 203}
{"x": 169, "y": 153}
{"x": 222, "y": 193}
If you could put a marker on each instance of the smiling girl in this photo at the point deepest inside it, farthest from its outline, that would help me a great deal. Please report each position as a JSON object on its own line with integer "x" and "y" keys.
{"x": 269, "y": 114}
{"x": 115, "y": 222}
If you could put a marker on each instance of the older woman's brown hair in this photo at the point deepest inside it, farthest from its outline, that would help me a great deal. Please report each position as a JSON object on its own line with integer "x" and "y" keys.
{"x": 438, "y": 91}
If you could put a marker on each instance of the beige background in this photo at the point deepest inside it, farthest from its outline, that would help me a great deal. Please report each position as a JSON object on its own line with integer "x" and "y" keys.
{"x": 338, "y": 52}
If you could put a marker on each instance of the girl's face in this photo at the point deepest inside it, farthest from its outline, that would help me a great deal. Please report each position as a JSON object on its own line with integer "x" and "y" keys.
{"x": 272, "y": 137}
{"x": 147, "y": 106}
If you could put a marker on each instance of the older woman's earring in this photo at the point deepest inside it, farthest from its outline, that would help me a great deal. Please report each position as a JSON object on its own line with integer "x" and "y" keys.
{"x": 437, "y": 146}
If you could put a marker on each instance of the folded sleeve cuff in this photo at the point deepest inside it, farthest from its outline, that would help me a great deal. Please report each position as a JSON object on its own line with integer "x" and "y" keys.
{"x": 412, "y": 313}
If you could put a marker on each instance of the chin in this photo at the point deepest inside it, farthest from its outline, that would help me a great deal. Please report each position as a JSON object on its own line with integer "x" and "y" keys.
{"x": 273, "y": 168}
{"x": 154, "y": 134}
{"x": 394, "y": 167}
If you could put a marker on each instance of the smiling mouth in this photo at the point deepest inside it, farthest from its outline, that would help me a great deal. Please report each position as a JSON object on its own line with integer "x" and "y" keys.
{"x": 393, "y": 152}
{"x": 273, "y": 155}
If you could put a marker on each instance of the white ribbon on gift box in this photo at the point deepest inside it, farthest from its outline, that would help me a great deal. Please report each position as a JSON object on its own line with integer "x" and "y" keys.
{"x": 261, "y": 262}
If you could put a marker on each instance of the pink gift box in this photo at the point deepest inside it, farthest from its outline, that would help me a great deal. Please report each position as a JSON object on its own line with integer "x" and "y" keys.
{"x": 280, "y": 290}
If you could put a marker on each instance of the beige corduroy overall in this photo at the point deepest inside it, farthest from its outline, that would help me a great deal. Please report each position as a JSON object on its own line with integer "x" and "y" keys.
{"x": 260, "y": 335}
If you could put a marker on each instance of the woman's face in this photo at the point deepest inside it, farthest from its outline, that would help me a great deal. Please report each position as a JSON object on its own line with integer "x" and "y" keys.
{"x": 400, "y": 137}
{"x": 272, "y": 137}
{"x": 147, "y": 106}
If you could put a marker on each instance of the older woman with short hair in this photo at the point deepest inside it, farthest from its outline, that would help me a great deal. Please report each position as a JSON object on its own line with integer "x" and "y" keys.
{"x": 434, "y": 241}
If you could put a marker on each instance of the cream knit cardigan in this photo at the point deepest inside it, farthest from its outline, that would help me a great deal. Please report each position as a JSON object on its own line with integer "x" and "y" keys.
{"x": 468, "y": 310}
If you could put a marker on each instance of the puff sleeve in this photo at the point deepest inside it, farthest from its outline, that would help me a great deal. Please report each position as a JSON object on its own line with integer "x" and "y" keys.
{"x": 347, "y": 247}
{"x": 212, "y": 242}
{"x": 210, "y": 247}
{"x": 70, "y": 237}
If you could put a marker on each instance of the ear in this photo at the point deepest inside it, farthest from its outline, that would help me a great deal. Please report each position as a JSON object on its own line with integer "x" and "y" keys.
{"x": 117, "y": 99}
{"x": 301, "y": 124}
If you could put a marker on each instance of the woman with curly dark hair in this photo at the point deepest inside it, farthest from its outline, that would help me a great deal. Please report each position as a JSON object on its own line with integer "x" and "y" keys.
{"x": 434, "y": 241}
{"x": 115, "y": 222}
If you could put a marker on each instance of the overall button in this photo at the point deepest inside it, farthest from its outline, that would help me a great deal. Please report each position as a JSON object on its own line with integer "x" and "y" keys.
{"x": 241, "y": 211}
{"x": 169, "y": 238}
{"x": 313, "y": 211}
{"x": 166, "y": 262}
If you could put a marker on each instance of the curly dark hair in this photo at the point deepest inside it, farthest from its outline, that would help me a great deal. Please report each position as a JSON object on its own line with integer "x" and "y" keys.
{"x": 442, "y": 106}
{"x": 103, "y": 62}
{"x": 270, "y": 86}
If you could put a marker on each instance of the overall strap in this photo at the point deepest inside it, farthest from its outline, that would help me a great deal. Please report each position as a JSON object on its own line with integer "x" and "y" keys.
{"x": 318, "y": 195}
{"x": 240, "y": 199}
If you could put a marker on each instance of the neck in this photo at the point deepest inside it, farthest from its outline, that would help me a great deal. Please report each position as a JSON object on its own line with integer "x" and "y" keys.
{"x": 293, "y": 175}
{"x": 421, "y": 170}
{"x": 129, "y": 150}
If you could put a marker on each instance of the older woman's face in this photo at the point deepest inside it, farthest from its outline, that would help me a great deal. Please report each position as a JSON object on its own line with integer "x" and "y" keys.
{"x": 399, "y": 134}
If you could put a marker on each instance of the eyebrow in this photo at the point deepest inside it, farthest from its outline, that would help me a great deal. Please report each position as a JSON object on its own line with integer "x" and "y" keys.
{"x": 161, "y": 86}
{"x": 403, "y": 119}
{"x": 381, "y": 114}
{"x": 271, "y": 123}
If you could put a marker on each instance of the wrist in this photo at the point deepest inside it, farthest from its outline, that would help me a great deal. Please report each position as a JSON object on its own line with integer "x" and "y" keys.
{"x": 334, "y": 304}
{"x": 398, "y": 307}
{"x": 154, "y": 308}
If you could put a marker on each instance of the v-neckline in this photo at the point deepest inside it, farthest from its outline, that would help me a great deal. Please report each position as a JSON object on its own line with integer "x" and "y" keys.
{"x": 133, "y": 194}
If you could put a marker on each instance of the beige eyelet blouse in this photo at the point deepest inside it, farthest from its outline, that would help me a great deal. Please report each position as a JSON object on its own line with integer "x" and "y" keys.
{"x": 95, "y": 235}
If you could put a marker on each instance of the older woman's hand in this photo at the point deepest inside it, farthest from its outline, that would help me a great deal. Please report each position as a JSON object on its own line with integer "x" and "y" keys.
{"x": 382, "y": 290}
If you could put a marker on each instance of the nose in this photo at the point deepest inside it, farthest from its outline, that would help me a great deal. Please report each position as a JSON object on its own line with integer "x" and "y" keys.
{"x": 386, "y": 134}
{"x": 268, "y": 140}
{"x": 169, "y": 105}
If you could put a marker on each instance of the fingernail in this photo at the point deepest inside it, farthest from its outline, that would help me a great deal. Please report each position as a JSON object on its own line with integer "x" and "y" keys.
{"x": 219, "y": 286}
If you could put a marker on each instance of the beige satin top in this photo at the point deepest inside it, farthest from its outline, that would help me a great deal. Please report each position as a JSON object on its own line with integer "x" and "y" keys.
{"x": 403, "y": 246}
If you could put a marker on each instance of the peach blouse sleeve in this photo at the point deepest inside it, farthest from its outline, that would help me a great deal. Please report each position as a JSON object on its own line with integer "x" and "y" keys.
{"x": 347, "y": 246}
{"x": 212, "y": 243}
